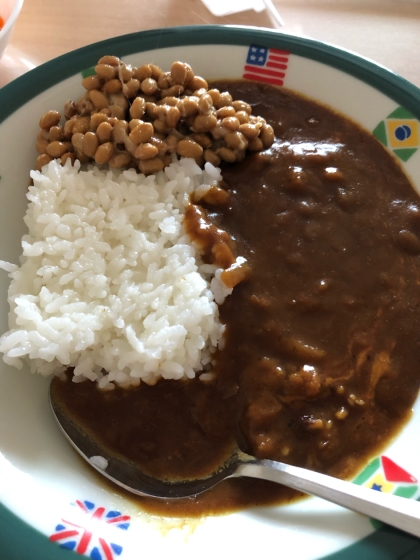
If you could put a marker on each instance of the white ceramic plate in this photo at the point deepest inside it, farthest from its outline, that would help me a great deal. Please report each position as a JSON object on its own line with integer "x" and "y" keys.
{"x": 50, "y": 500}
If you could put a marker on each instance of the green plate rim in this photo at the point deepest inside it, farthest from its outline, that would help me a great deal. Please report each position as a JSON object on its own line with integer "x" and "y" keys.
{"x": 17, "y": 538}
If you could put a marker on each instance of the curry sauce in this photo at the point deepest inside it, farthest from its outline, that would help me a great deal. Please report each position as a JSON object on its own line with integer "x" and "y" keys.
{"x": 320, "y": 362}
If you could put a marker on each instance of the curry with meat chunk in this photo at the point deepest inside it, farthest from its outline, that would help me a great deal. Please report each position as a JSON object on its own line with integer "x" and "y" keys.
{"x": 320, "y": 363}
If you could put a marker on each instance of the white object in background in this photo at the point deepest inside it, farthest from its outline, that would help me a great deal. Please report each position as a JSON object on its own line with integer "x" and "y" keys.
{"x": 9, "y": 11}
{"x": 221, "y": 8}
{"x": 272, "y": 10}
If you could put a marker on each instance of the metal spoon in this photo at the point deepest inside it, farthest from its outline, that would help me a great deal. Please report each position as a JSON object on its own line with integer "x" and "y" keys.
{"x": 393, "y": 510}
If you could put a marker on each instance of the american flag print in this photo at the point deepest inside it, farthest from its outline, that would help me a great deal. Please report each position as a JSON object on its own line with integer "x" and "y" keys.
{"x": 92, "y": 531}
{"x": 266, "y": 65}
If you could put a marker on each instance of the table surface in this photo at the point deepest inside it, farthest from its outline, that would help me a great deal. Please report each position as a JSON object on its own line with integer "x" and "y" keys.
{"x": 386, "y": 31}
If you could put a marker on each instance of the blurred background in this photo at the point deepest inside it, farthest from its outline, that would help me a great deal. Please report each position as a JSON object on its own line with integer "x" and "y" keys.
{"x": 387, "y": 31}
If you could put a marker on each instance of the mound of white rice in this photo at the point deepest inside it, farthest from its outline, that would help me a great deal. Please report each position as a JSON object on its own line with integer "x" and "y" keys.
{"x": 109, "y": 283}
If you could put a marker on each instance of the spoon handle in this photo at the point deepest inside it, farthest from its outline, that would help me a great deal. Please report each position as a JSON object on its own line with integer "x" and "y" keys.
{"x": 393, "y": 510}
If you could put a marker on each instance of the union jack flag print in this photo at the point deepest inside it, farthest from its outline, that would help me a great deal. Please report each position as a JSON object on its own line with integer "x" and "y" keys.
{"x": 266, "y": 65}
{"x": 92, "y": 531}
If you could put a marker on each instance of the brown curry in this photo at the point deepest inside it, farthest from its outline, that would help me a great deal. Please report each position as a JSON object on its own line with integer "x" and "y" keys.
{"x": 320, "y": 365}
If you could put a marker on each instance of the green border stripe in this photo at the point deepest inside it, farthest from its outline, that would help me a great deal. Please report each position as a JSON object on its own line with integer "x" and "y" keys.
{"x": 20, "y": 541}
{"x": 13, "y": 95}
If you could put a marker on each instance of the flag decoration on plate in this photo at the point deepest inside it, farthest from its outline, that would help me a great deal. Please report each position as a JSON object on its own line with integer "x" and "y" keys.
{"x": 384, "y": 475}
{"x": 90, "y": 532}
{"x": 266, "y": 65}
{"x": 400, "y": 132}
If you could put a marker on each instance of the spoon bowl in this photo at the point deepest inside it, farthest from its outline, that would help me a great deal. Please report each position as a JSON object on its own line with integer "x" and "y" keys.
{"x": 129, "y": 476}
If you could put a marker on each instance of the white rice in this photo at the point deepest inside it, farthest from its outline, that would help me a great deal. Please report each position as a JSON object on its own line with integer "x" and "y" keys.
{"x": 109, "y": 283}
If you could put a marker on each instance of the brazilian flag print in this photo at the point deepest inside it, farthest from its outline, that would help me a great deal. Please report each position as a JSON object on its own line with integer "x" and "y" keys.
{"x": 400, "y": 133}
